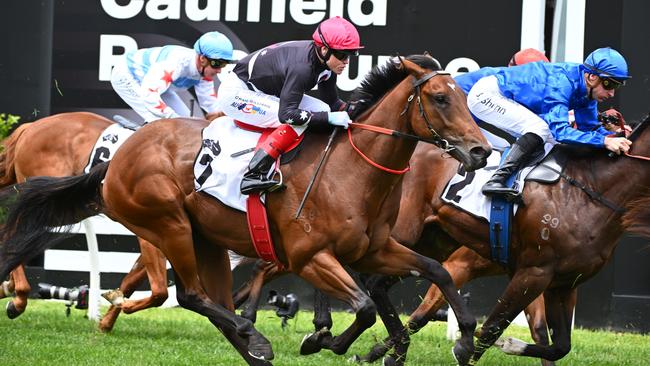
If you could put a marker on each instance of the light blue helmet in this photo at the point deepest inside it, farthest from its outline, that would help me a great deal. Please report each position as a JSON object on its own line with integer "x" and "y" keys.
{"x": 606, "y": 62}
{"x": 214, "y": 45}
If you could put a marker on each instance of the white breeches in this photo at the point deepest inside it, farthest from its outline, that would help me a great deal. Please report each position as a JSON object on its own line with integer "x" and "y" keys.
{"x": 257, "y": 108}
{"x": 487, "y": 103}
{"x": 129, "y": 89}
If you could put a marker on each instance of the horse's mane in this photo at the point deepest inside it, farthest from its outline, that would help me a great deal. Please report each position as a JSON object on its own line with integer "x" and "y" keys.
{"x": 383, "y": 78}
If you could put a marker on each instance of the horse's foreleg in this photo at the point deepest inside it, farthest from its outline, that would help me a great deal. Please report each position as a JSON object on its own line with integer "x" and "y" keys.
{"x": 398, "y": 336}
{"x": 536, "y": 317}
{"x": 559, "y": 315}
{"x": 322, "y": 311}
{"x": 324, "y": 272}
{"x": 264, "y": 272}
{"x": 241, "y": 295}
{"x": 526, "y": 284}
{"x": 22, "y": 288}
{"x": 396, "y": 259}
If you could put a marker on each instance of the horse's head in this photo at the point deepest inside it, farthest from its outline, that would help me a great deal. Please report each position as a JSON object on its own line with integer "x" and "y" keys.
{"x": 440, "y": 114}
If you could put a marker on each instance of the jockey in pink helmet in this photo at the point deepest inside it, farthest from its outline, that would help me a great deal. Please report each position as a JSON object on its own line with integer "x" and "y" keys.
{"x": 267, "y": 89}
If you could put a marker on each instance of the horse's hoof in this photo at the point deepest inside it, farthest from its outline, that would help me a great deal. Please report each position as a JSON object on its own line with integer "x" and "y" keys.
{"x": 312, "y": 343}
{"x": 115, "y": 297}
{"x": 354, "y": 359}
{"x": 461, "y": 355}
{"x": 389, "y": 361}
{"x": 262, "y": 352}
{"x": 260, "y": 348}
{"x": 12, "y": 312}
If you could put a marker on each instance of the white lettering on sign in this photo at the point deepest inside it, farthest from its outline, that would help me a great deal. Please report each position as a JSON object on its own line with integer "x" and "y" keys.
{"x": 301, "y": 11}
{"x": 461, "y": 65}
{"x": 107, "y": 59}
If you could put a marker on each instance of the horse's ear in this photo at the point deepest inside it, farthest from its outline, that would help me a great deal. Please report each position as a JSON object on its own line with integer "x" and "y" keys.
{"x": 412, "y": 67}
{"x": 399, "y": 61}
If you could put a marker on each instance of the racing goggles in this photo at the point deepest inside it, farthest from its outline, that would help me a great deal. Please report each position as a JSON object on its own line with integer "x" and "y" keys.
{"x": 218, "y": 63}
{"x": 611, "y": 83}
{"x": 344, "y": 54}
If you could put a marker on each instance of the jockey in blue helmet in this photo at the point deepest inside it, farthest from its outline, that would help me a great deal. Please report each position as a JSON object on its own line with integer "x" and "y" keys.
{"x": 531, "y": 102}
{"x": 610, "y": 68}
{"x": 216, "y": 49}
{"x": 148, "y": 79}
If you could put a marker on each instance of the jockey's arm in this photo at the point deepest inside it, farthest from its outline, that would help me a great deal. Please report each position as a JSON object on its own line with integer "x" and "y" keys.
{"x": 329, "y": 94}
{"x": 587, "y": 120}
{"x": 207, "y": 96}
{"x": 157, "y": 80}
{"x": 293, "y": 90}
{"x": 555, "y": 110}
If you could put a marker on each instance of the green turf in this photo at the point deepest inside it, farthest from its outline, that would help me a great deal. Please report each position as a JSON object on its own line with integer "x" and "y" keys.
{"x": 44, "y": 336}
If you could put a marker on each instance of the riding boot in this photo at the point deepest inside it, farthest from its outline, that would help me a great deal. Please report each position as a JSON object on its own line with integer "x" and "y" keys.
{"x": 522, "y": 152}
{"x": 257, "y": 179}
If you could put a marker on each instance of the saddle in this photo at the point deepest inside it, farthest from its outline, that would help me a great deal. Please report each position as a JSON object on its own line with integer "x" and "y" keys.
{"x": 549, "y": 169}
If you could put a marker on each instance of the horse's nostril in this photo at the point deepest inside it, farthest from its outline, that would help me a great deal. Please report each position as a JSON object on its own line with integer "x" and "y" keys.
{"x": 480, "y": 153}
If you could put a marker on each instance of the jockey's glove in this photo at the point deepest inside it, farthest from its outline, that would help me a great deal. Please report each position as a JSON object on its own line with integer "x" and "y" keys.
{"x": 339, "y": 119}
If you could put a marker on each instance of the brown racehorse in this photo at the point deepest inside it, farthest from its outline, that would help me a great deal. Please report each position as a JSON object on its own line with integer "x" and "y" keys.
{"x": 415, "y": 227}
{"x": 148, "y": 187}
{"x": 57, "y": 146}
{"x": 563, "y": 235}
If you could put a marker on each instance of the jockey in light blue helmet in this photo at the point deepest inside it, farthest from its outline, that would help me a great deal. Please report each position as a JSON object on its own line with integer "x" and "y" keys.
{"x": 609, "y": 65}
{"x": 216, "y": 48}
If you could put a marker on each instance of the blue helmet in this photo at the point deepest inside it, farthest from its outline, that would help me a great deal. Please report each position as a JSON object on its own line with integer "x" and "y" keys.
{"x": 214, "y": 45}
{"x": 606, "y": 62}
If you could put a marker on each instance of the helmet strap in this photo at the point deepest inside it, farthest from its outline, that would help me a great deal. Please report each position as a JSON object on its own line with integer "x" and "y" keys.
{"x": 324, "y": 57}
{"x": 202, "y": 66}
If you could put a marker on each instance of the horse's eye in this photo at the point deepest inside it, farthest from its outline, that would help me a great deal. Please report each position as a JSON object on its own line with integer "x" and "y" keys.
{"x": 440, "y": 99}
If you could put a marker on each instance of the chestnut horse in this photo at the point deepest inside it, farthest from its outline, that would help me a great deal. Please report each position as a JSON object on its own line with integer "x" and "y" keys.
{"x": 57, "y": 146}
{"x": 415, "y": 227}
{"x": 148, "y": 187}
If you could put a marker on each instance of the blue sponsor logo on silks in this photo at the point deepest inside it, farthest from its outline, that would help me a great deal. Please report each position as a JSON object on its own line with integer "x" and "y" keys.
{"x": 249, "y": 108}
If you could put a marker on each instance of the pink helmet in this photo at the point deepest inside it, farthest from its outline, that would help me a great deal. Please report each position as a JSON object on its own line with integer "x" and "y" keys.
{"x": 337, "y": 34}
{"x": 527, "y": 55}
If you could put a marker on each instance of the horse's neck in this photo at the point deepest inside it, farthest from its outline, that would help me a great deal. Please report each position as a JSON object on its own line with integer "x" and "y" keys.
{"x": 388, "y": 151}
{"x": 619, "y": 180}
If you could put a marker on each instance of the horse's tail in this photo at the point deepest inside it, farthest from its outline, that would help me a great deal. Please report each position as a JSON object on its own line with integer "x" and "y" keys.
{"x": 40, "y": 208}
{"x": 7, "y": 156}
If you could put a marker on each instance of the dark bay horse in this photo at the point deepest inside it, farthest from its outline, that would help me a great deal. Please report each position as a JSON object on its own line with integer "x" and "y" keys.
{"x": 57, "y": 146}
{"x": 561, "y": 237}
{"x": 148, "y": 187}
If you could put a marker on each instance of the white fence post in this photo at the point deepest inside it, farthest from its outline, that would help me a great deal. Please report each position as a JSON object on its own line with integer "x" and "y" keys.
{"x": 94, "y": 287}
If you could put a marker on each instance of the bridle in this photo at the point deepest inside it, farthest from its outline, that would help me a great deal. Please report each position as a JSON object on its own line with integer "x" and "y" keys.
{"x": 435, "y": 139}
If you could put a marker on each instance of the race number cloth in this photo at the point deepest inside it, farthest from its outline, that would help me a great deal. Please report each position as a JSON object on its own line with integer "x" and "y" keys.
{"x": 107, "y": 144}
{"x": 216, "y": 171}
{"x": 464, "y": 189}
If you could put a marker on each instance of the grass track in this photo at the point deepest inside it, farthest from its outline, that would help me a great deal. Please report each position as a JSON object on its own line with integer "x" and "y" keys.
{"x": 44, "y": 336}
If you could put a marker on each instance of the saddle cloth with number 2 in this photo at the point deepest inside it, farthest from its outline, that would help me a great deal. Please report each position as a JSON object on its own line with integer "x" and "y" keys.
{"x": 464, "y": 189}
